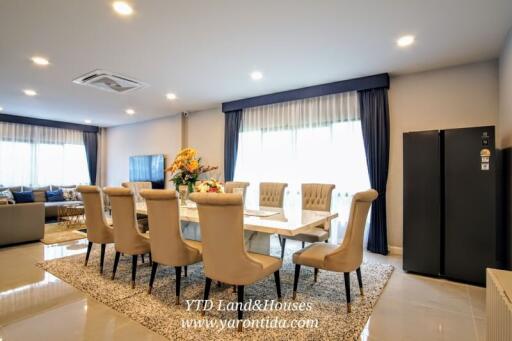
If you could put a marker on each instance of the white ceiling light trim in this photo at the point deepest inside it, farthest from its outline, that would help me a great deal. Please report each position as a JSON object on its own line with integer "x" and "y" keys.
{"x": 122, "y": 8}
{"x": 256, "y": 75}
{"x": 406, "y": 40}
{"x": 30, "y": 92}
{"x": 40, "y": 61}
{"x": 171, "y": 96}
{"x": 130, "y": 111}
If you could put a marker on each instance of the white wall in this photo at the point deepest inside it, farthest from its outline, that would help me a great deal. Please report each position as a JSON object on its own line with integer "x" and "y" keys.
{"x": 506, "y": 93}
{"x": 206, "y": 134}
{"x": 161, "y": 136}
{"x": 455, "y": 97}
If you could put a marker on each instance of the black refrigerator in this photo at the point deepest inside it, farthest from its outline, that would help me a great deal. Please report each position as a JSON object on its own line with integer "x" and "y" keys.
{"x": 451, "y": 210}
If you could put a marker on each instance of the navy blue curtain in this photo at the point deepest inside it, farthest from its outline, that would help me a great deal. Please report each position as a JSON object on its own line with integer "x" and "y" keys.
{"x": 232, "y": 122}
{"x": 91, "y": 151}
{"x": 374, "y": 109}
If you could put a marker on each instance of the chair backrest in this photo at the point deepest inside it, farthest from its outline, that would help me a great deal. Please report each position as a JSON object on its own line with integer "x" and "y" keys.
{"x": 317, "y": 197}
{"x": 272, "y": 194}
{"x": 127, "y": 236}
{"x": 97, "y": 226}
{"x": 349, "y": 254}
{"x": 136, "y": 187}
{"x": 224, "y": 256}
{"x": 167, "y": 245}
{"x": 229, "y": 186}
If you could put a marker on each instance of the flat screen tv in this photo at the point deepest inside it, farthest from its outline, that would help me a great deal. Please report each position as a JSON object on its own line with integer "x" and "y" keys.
{"x": 148, "y": 168}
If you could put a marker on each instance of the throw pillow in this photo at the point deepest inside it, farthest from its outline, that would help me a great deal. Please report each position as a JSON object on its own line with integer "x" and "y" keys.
{"x": 23, "y": 197}
{"x": 55, "y": 196}
{"x": 70, "y": 194}
{"x": 6, "y": 194}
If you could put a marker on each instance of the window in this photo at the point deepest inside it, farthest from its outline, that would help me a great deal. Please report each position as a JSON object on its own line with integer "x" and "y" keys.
{"x": 313, "y": 151}
{"x": 40, "y": 156}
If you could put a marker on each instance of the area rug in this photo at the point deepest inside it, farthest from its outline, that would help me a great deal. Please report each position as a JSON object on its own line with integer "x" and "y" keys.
{"x": 58, "y": 233}
{"x": 323, "y": 314}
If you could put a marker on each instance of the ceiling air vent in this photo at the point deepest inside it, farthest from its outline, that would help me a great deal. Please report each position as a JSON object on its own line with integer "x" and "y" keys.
{"x": 109, "y": 81}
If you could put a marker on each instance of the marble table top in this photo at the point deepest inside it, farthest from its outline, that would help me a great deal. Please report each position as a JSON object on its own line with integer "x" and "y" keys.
{"x": 286, "y": 222}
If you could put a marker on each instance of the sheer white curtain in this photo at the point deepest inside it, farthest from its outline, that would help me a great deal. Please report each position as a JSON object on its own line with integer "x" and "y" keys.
{"x": 38, "y": 156}
{"x": 312, "y": 140}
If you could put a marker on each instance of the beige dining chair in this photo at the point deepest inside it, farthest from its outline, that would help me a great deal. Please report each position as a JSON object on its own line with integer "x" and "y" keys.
{"x": 272, "y": 194}
{"x": 225, "y": 259}
{"x": 128, "y": 240}
{"x": 167, "y": 244}
{"x": 315, "y": 197}
{"x": 229, "y": 186}
{"x": 347, "y": 256}
{"x": 98, "y": 229}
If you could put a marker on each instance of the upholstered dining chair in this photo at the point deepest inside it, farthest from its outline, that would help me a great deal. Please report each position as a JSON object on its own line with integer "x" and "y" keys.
{"x": 128, "y": 240}
{"x": 347, "y": 256}
{"x": 224, "y": 256}
{"x": 272, "y": 194}
{"x": 229, "y": 186}
{"x": 167, "y": 244}
{"x": 315, "y": 197}
{"x": 98, "y": 229}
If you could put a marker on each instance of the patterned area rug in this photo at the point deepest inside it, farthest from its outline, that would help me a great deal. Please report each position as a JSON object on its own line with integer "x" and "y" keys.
{"x": 323, "y": 314}
{"x": 58, "y": 233}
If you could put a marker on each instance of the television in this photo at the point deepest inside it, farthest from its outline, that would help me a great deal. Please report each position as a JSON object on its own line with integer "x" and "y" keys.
{"x": 148, "y": 168}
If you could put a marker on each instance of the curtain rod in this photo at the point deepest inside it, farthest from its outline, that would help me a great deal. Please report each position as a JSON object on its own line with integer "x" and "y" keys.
{"x": 47, "y": 123}
{"x": 355, "y": 84}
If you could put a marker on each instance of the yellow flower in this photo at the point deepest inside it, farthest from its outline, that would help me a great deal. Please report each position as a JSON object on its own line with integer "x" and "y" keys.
{"x": 192, "y": 166}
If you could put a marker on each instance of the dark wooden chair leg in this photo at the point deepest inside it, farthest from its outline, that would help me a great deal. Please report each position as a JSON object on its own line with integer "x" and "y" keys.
{"x": 283, "y": 245}
{"x": 296, "y": 280}
{"x": 207, "y": 286}
{"x": 360, "y": 281}
{"x": 303, "y": 244}
{"x": 142, "y": 258}
{"x": 240, "y": 312}
{"x": 134, "y": 270}
{"x": 150, "y": 259}
{"x": 278, "y": 284}
{"x": 234, "y": 289}
{"x": 154, "y": 266}
{"x": 89, "y": 247}
{"x": 186, "y": 271}
{"x": 316, "y": 275}
{"x": 178, "y": 284}
{"x": 102, "y": 257}
{"x": 347, "y": 289}
{"x": 116, "y": 262}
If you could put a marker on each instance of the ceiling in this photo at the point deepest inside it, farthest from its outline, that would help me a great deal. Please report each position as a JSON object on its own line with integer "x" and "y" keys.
{"x": 204, "y": 51}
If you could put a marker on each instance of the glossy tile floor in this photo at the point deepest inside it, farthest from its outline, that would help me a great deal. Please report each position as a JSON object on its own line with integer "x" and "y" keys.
{"x": 35, "y": 305}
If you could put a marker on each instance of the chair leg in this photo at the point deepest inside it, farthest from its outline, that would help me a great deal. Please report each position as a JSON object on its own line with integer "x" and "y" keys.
{"x": 234, "y": 289}
{"x": 142, "y": 257}
{"x": 296, "y": 280}
{"x": 360, "y": 280}
{"x": 278, "y": 284}
{"x": 240, "y": 312}
{"x": 89, "y": 247}
{"x": 186, "y": 271}
{"x": 316, "y": 275}
{"x": 207, "y": 286}
{"x": 152, "y": 278}
{"x": 116, "y": 262}
{"x": 178, "y": 284}
{"x": 347, "y": 289}
{"x": 134, "y": 270}
{"x": 283, "y": 244}
{"x": 303, "y": 244}
{"x": 150, "y": 259}
{"x": 102, "y": 257}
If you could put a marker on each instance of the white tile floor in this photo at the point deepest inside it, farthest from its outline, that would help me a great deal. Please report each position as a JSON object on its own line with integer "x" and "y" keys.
{"x": 35, "y": 305}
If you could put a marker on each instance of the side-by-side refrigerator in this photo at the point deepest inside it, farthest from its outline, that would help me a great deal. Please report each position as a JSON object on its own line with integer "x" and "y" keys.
{"x": 451, "y": 206}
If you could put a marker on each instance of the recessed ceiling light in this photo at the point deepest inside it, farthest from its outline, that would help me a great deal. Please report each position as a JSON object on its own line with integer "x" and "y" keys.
{"x": 88, "y": 121}
{"x": 1, "y": 108}
{"x": 40, "y": 61}
{"x": 170, "y": 96}
{"x": 29, "y": 92}
{"x": 256, "y": 75}
{"x": 405, "y": 41}
{"x": 130, "y": 111}
{"x": 122, "y": 8}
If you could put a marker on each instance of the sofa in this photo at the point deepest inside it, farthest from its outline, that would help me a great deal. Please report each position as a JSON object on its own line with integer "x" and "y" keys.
{"x": 51, "y": 209}
{"x": 21, "y": 223}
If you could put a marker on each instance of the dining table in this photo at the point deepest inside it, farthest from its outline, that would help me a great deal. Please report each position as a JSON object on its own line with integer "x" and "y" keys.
{"x": 259, "y": 223}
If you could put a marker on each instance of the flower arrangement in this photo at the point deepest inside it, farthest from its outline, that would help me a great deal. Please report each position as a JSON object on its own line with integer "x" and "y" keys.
{"x": 186, "y": 168}
{"x": 210, "y": 186}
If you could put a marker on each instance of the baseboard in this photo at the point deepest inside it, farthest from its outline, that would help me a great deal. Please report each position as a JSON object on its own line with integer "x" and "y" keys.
{"x": 395, "y": 250}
